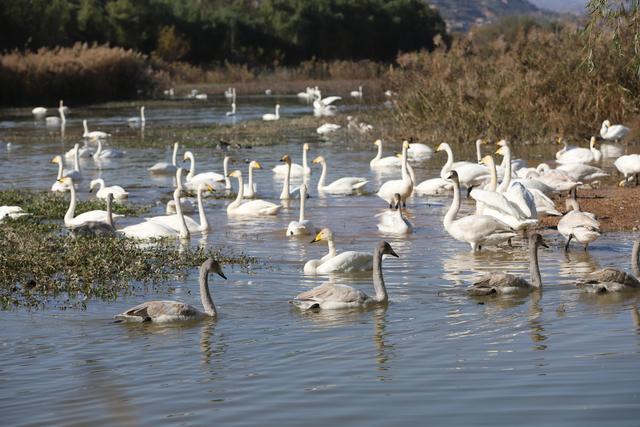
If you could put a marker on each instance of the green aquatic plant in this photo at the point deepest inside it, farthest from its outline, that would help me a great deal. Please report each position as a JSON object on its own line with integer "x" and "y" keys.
{"x": 41, "y": 265}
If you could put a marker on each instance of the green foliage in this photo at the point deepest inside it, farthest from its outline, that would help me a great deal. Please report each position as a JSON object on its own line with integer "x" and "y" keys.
{"x": 171, "y": 45}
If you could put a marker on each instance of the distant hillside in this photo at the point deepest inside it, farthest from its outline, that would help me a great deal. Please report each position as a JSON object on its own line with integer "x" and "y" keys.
{"x": 564, "y": 6}
{"x": 460, "y": 15}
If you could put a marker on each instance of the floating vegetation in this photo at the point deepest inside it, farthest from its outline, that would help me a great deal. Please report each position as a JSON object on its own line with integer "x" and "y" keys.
{"x": 41, "y": 265}
{"x": 48, "y": 205}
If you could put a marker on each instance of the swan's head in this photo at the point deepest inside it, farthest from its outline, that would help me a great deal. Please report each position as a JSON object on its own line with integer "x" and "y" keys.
{"x": 542, "y": 168}
{"x": 213, "y": 266}
{"x": 377, "y": 142}
{"x": 536, "y": 240}
{"x": 324, "y": 234}
{"x": 286, "y": 159}
{"x": 317, "y": 160}
{"x": 255, "y": 164}
{"x": 480, "y": 141}
{"x": 57, "y": 159}
{"x": 606, "y": 124}
{"x": 235, "y": 174}
{"x": 453, "y": 176}
{"x": 443, "y": 146}
{"x": 592, "y": 142}
{"x": 66, "y": 180}
{"x": 188, "y": 155}
{"x": 93, "y": 185}
{"x": 560, "y": 140}
{"x": 502, "y": 151}
{"x": 305, "y": 147}
{"x": 405, "y": 145}
{"x": 503, "y": 143}
{"x": 386, "y": 249}
{"x": 205, "y": 186}
{"x": 277, "y": 106}
{"x": 486, "y": 160}
{"x": 142, "y": 109}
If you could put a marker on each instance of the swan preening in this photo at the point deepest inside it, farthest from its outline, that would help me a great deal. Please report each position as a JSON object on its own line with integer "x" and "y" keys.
{"x": 166, "y": 168}
{"x": 611, "y": 132}
{"x": 331, "y": 296}
{"x": 172, "y": 311}
{"x": 323, "y": 106}
{"x": 504, "y": 283}
{"x": 12, "y": 212}
{"x": 613, "y": 280}
{"x": 334, "y": 262}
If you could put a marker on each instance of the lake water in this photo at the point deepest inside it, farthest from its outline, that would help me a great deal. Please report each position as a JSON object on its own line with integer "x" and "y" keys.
{"x": 433, "y": 355}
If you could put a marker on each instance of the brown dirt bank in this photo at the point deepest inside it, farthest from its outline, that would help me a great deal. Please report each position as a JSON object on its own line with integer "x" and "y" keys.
{"x": 617, "y": 209}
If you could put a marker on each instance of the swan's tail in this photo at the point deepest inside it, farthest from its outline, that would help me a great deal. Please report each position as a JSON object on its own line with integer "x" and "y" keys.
{"x": 359, "y": 185}
{"x": 305, "y": 304}
{"x": 271, "y": 211}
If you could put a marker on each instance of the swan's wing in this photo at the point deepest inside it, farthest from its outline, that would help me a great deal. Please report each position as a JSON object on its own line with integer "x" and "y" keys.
{"x": 494, "y": 283}
{"x": 157, "y": 310}
{"x": 346, "y": 262}
{"x": 523, "y": 199}
{"x": 494, "y": 200}
{"x": 330, "y": 292}
{"x": 611, "y": 275}
{"x": 330, "y": 100}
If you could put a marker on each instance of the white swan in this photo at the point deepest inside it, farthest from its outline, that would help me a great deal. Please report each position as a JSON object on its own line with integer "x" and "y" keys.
{"x": 97, "y": 228}
{"x": 176, "y": 221}
{"x": 403, "y": 186}
{"x": 12, "y": 212}
{"x": 201, "y": 96}
{"x": 286, "y": 193}
{"x": 559, "y": 180}
{"x": 296, "y": 169}
{"x": 629, "y": 166}
{"x": 233, "y": 110}
{"x": 230, "y": 93}
{"x": 118, "y": 192}
{"x": 57, "y": 185}
{"x": 613, "y": 132}
{"x": 271, "y": 117}
{"x": 214, "y": 179}
{"x": 575, "y": 224}
{"x": 418, "y": 151}
{"x": 334, "y": 262}
{"x": 107, "y": 153}
{"x": 379, "y": 162}
{"x": 166, "y": 168}
{"x": 322, "y": 106}
{"x": 346, "y": 185}
{"x": 302, "y": 226}
{"x": 356, "y": 93}
{"x": 613, "y": 280}
{"x": 39, "y": 112}
{"x": 250, "y": 189}
{"x": 57, "y": 120}
{"x": 393, "y": 221}
{"x": 331, "y": 296}
{"x": 241, "y": 207}
{"x": 504, "y": 283}
{"x": 469, "y": 174}
{"x": 155, "y": 230}
{"x": 581, "y": 155}
{"x": 360, "y": 127}
{"x": 70, "y": 220}
{"x": 185, "y": 204}
{"x": 96, "y": 134}
{"x": 477, "y": 230}
{"x": 175, "y": 311}
{"x": 327, "y": 128}
{"x": 309, "y": 94}
{"x": 478, "y": 144}
{"x": 75, "y": 173}
{"x": 138, "y": 120}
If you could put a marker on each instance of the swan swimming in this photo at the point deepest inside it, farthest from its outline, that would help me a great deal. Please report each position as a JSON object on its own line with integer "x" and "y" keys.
{"x": 344, "y": 186}
{"x": 302, "y": 226}
{"x": 175, "y": 311}
{"x": 331, "y": 296}
{"x": 334, "y": 262}
{"x": 613, "y": 280}
{"x": 166, "y": 168}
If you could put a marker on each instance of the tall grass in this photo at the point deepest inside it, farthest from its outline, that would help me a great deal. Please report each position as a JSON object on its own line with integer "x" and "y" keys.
{"x": 80, "y": 73}
{"x": 519, "y": 80}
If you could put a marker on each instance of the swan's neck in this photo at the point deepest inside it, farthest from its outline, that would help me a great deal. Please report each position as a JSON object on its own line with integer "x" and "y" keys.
{"x": 192, "y": 167}
{"x": 99, "y": 151}
{"x": 63, "y": 119}
{"x": 250, "y": 183}
{"x": 109, "y": 211}
{"x": 76, "y": 158}
{"x": 72, "y": 204}
{"x": 174, "y": 158}
{"x": 493, "y": 183}
{"x": 205, "y": 296}
{"x": 240, "y": 195}
{"x": 506, "y": 180}
{"x": 332, "y": 247}
{"x": 412, "y": 174}
{"x": 378, "y": 280}
{"x": 184, "y": 231}
{"x": 86, "y": 128}
{"x": 285, "y": 187}
{"x": 303, "y": 195}
{"x": 305, "y": 167}
{"x": 455, "y": 206}
{"x": 204, "y": 223}
{"x": 478, "y": 150}
{"x": 277, "y": 112}
{"x": 635, "y": 261}
{"x": 100, "y": 182}
{"x": 60, "y": 169}
{"x": 447, "y": 166}
{"x": 225, "y": 170}
{"x": 142, "y": 118}
{"x": 323, "y": 176}
{"x": 405, "y": 172}
{"x": 534, "y": 268}
{"x": 379, "y": 155}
